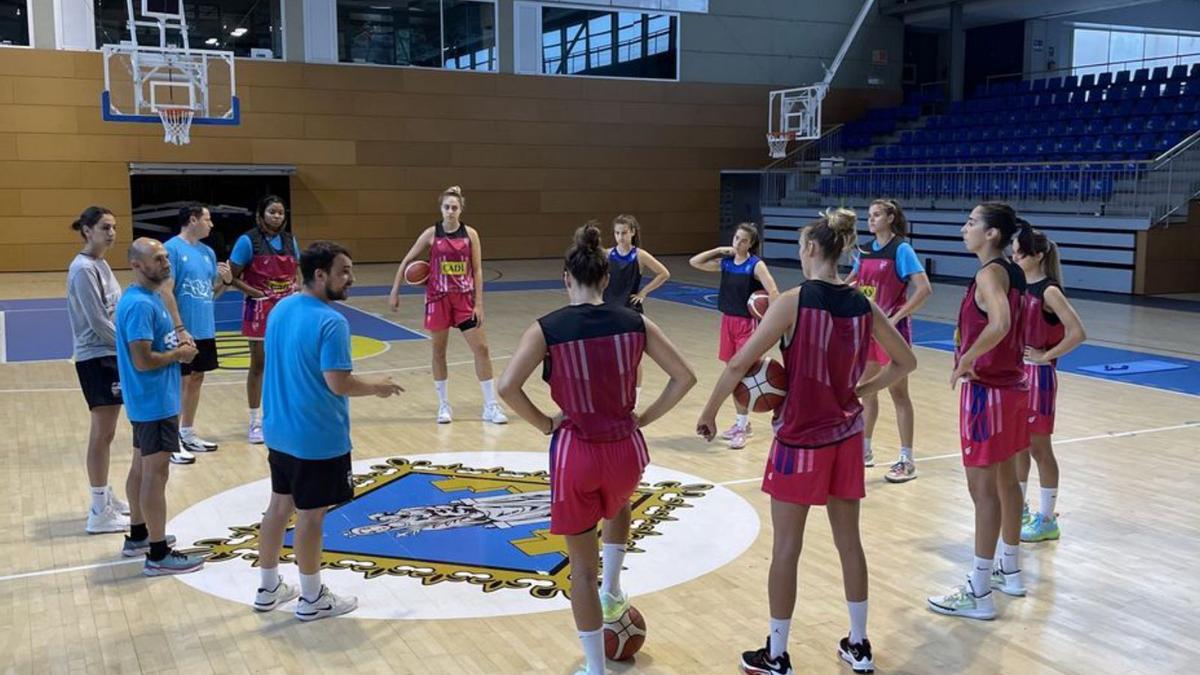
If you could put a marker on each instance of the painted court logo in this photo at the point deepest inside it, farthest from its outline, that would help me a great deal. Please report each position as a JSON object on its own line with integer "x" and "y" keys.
{"x": 468, "y": 534}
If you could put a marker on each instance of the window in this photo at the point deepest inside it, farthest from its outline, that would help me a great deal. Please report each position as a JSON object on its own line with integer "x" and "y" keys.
{"x": 238, "y": 26}
{"x": 14, "y": 22}
{"x": 1099, "y": 50}
{"x": 581, "y": 42}
{"x": 455, "y": 34}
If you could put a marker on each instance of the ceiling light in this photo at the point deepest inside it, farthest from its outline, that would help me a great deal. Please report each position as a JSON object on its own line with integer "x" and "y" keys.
{"x": 238, "y": 32}
{"x": 210, "y": 41}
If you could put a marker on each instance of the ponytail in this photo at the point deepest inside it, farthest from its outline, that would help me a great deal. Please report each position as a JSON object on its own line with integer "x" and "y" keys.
{"x": 835, "y": 232}
{"x": 585, "y": 259}
{"x": 1034, "y": 243}
{"x": 90, "y": 216}
{"x": 626, "y": 219}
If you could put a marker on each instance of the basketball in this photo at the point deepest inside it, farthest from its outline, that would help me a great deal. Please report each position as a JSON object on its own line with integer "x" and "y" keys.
{"x": 416, "y": 273}
{"x": 764, "y": 386}
{"x": 625, "y": 636}
{"x": 758, "y": 303}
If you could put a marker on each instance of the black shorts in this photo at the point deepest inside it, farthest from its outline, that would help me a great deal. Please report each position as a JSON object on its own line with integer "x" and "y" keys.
{"x": 468, "y": 325}
{"x": 206, "y": 358}
{"x": 100, "y": 382}
{"x": 312, "y": 483}
{"x": 158, "y": 436}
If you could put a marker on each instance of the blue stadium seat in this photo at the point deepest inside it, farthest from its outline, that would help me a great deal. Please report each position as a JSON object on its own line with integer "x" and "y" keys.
{"x": 1141, "y": 75}
{"x": 1038, "y": 86}
{"x": 1121, "y": 78}
{"x": 1195, "y": 72}
{"x": 1179, "y": 73}
{"x": 1104, "y": 80}
{"x": 1070, "y": 83}
{"x": 1053, "y": 84}
{"x": 1172, "y": 89}
{"x": 1155, "y": 124}
{"x": 1143, "y": 106}
{"x": 1159, "y": 74}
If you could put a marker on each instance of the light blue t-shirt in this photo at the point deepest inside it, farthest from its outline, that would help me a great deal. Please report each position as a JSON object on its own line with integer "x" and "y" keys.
{"x": 194, "y": 266}
{"x": 243, "y": 250}
{"x": 301, "y": 416}
{"x": 907, "y": 263}
{"x": 149, "y": 395}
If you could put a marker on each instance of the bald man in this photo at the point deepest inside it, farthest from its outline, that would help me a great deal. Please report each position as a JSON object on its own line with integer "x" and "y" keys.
{"x": 148, "y": 356}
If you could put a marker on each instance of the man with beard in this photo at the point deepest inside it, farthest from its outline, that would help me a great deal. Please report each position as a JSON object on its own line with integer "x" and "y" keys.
{"x": 306, "y": 388}
{"x": 148, "y": 357}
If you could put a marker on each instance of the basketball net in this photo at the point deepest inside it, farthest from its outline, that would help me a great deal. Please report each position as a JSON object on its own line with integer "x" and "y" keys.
{"x": 177, "y": 123}
{"x": 778, "y": 142}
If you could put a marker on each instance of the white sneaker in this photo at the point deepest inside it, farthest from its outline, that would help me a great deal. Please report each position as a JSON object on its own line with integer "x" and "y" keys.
{"x": 183, "y": 456}
{"x": 327, "y": 604}
{"x": 963, "y": 602}
{"x": 265, "y": 601}
{"x": 868, "y": 457}
{"x": 108, "y": 520}
{"x": 120, "y": 506}
{"x": 254, "y": 435}
{"x": 1008, "y": 583}
{"x": 194, "y": 443}
{"x": 443, "y": 416}
{"x": 492, "y": 413}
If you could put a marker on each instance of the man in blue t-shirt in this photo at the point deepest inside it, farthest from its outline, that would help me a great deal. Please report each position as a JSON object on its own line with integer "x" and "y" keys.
{"x": 148, "y": 358}
{"x": 197, "y": 280}
{"x": 307, "y": 383}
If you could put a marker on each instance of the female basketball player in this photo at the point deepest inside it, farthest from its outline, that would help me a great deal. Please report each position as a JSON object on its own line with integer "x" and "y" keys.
{"x": 92, "y": 295}
{"x": 993, "y": 412}
{"x": 1052, "y": 329}
{"x": 597, "y": 451}
{"x": 816, "y": 458}
{"x": 266, "y": 264}
{"x": 884, "y": 272}
{"x": 627, "y": 262}
{"x": 742, "y": 273}
{"x": 453, "y": 297}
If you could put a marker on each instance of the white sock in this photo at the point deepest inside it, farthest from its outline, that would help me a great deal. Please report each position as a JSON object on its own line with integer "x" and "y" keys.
{"x": 742, "y": 421}
{"x": 187, "y": 432}
{"x": 637, "y": 397}
{"x": 778, "y": 637}
{"x": 310, "y": 586}
{"x": 1023, "y": 486}
{"x": 593, "y": 650}
{"x": 858, "y": 621}
{"x": 99, "y": 499}
{"x": 269, "y": 578}
{"x": 489, "y": 392}
{"x": 1047, "y": 503}
{"x": 440, "y": 385}
{"x": 906, "y": 455}
{"x": 613, "y": 556}
{"x": 256, "y": 414}
{"x": 981, "y": 577}
{"x": 1010, "y": 558}
{"x": 866, "y": 444}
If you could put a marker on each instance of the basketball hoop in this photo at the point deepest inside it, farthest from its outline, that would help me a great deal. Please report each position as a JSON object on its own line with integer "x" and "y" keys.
{"x": 177, "y": 123}
{"x": 778, "y": 142}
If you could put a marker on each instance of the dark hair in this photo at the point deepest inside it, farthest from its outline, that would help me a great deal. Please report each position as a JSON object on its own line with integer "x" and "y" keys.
{"x": 1035, "y": 242}
{"x": 899, "y": 221}
{"x": 585, "y": 259}
{"x": 1000, "y": 216}
{"x": 755, "y": 237}
{"x": 626, "y": 219}
{"x": 189, "y": 211}
{"x": 90, "y": 216}
{"x": 834, "y": 232}
{"x": 319, "y": 256}
{"x": 265, "y": 203}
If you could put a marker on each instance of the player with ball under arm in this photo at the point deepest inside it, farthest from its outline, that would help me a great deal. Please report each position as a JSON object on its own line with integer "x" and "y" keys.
{"x": 816, "y": 458}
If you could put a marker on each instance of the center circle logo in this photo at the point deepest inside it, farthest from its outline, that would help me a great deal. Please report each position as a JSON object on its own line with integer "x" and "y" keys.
{"x": 464, "y": 535}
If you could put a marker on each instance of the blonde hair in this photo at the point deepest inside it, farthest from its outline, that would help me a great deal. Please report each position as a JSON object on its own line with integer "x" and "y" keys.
{"x": 835, "y": 232}
{"x": 626, "y": 219}
{"x": 452, "y": 191}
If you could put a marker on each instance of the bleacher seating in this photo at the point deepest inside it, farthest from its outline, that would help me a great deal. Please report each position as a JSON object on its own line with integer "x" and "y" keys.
{"x": 1080, "y": 124}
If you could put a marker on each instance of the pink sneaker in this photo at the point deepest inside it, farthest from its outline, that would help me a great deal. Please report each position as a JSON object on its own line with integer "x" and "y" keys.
{"x": 728, "y": 435}
{"x": 738, "y": 440}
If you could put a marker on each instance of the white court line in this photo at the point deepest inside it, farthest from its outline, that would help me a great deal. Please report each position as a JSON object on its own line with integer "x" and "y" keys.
{"x": 60, "y": 570}
{"x": 1065, "y": 441}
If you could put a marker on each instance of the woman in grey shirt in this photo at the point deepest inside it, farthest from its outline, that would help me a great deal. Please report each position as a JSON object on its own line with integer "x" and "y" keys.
{"x": 92, "y": 295}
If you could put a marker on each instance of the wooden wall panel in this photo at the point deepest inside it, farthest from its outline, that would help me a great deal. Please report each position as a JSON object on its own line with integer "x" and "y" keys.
{"x": 374, "y": 146}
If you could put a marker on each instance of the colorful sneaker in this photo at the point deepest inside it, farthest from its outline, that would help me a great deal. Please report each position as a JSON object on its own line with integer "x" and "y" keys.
{"x": 120, "y": 506}
{"x": 107, "y": 521}
{"x": 254, "y": 436}
{"x": 738, "y": 440}
{"x": 174, "y": 563}
{"x": 183, "y": 456}
{"x": 746, "y": 431}
{"x": 963, "y": 602}
{"x": 1025, "y": 516}
{"x": 194, "y": 443}
{"x": 868, "y": 456}
{"x": 265, "y": 601}
{"x": 759, "y": 662}
{"x": 901, "y": 472}
{"x": 443, "y": 416}
{"x": 493, "y": 414}
{"x": 133, "y": 549}
{"x": 1040, "y": 528}
{"x": 614, "y": 606}
{"x": 858, "y": 655}
{"x": 327, "y": 604}
{"x": 1008, "y": 583}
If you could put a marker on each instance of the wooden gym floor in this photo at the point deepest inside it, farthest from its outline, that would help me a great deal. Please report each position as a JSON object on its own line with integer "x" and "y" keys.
{"x": 1111, "y": 597}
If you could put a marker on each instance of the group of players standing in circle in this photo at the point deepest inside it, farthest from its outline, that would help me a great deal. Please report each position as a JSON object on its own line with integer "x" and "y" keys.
{"x": 843, "y": 339}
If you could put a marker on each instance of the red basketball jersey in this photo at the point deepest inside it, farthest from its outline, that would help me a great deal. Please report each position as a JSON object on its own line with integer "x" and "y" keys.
{"x": 450, "y": 268}
{"x": 879, "y": 279}
{"x": 593, "y": 352}
{"x": 1043, "y": 329}
{"x": 1003, "y": 366}
{"x": 825, "y": 357}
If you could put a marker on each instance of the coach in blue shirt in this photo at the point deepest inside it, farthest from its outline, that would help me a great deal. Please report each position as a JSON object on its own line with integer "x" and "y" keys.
{"x": 306, "y": 425}
{"x": 148, "y": 358}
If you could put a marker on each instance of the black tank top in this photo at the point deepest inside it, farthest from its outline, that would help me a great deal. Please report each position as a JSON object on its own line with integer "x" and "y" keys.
{"x": 624, "y": 278}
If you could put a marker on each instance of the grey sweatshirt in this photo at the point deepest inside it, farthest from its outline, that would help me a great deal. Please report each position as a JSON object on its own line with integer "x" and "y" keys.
{"x": 92, "y": 295}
